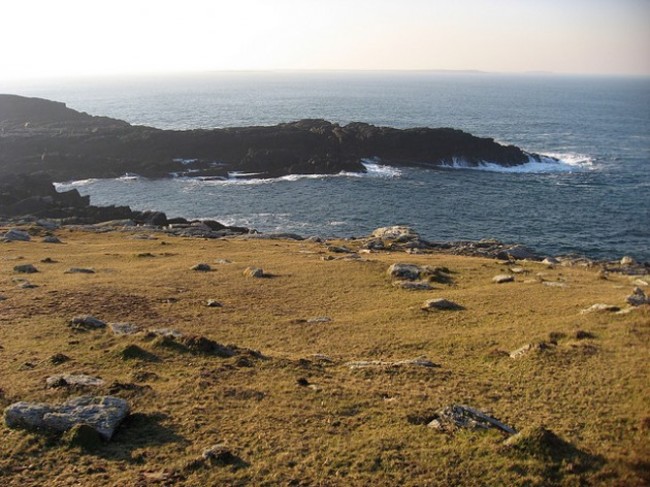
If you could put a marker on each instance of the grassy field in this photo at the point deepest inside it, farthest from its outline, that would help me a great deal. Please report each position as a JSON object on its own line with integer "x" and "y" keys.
{"x": 300, "y": 415}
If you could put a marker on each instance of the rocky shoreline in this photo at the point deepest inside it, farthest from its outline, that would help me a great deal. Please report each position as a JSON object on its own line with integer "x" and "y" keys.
{"x": 41, "y": 135}
{"x": 33, "y": 199}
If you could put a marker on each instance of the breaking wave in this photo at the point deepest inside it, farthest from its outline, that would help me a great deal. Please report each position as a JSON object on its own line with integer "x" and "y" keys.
{"x": 547, "y": 163}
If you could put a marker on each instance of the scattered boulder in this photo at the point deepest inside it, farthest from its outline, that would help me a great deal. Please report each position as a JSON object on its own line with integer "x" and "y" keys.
{"x": 638, "y": 297}
{"x": 15, "y": 235}
{"x": 517, "y": 252}
{"x": 51, "y": 239}
{"x": 79, "y": 270}
{"x": 25, "y": 269}
{"x": 550, "y": 261}
{"x": 221, "y": 455}
{"x": 397, "y": 233}
{"x": 628, "y": 261}
{"x": 413, "y": 285}
{"x": 48, "y": 260}
{"x": 254, "y": 272}
{"x": 124, "y": 328}
{"x": 601, "y": 308}
{"x": 440, "y": 304}
{"x": 102, "y": 413}
{"x": 86, "y": 322}
{"x": 414, "y": 272}
{"x": 201, "y": 268}
{"x": 502, "y": 278}
{"x": 529, "y": 347}
{"x": 26, "y": 285}
{"x": 454, "y": 417}
{"x": 416, "y": 362}
{"x": 213, "y": 303}
{"x": 64, "y": 380}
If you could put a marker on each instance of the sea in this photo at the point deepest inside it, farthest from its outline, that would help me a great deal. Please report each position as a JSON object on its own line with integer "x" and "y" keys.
{"x": 594, "y": 202}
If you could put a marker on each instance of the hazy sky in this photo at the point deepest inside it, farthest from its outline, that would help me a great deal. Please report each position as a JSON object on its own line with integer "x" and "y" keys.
{"x": 43, "y": 38}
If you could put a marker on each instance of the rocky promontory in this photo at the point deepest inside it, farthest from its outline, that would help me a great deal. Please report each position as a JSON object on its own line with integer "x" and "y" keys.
{"x": 42, "y": 135}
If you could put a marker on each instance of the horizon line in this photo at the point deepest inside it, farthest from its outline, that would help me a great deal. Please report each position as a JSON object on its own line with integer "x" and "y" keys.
{"x": 145, "y": 74}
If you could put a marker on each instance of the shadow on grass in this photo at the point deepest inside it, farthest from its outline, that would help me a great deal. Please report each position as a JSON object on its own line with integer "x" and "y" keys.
{"x": 138, "y": 431}
{"x": 552, "y": 456}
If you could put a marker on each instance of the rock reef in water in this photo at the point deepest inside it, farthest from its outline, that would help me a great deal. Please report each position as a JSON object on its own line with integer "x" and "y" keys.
{"x": 42, "y": 135}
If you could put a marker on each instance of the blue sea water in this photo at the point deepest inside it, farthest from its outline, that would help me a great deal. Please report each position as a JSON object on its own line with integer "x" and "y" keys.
{"x": 596, "y": 202}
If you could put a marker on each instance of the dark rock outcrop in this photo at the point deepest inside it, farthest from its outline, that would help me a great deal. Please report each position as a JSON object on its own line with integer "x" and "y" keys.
{"x": 41, "y": 135}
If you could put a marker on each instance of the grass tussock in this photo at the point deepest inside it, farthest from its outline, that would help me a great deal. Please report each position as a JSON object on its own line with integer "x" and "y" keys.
{"x": 258, "y": 391}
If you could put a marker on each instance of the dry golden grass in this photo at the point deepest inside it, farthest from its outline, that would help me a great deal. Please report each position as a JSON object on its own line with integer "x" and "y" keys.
{"x": 350, "y": 427}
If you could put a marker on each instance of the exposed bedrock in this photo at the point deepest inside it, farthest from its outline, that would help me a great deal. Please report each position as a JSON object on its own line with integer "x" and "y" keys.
{"x": 42, "y": 135}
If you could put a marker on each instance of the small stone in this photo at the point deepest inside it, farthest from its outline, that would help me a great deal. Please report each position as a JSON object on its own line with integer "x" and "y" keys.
{"x": 530, "y": 347}
{"x": 550, "y": 261}
{"x": 86, "y": 322}
{"x": 440, "y": 304}
{"x": 502, "y": 278}
{"x": 51, "y": 239}
{"x": 222, "y": 261}
{"x": 59, "y": 358}
{"x": 25, "y": 269}
{"x": 219, "y": 455}
{"x": 79, "y": 270}
{"x": 554, "y": 284}
{"x": 213, "y": 303}
{"x": 48, "y": 260}
{"x": 628, "y": 261}
{"x": 254, "y": 272}
{"x": 637, "y": 298}
{"x": 302, "y": 382}
{"x": 582, "y": 335}
{"x": 27, "y": 285}
{"x": 319, "y": 319}
{"x": 201, "y": 268}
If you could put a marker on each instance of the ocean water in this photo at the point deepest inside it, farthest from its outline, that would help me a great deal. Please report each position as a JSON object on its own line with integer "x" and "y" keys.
{"x": 595, "y": 202}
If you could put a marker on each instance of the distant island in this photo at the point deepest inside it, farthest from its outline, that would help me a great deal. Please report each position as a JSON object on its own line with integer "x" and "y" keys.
{"x": 38, "y": 135}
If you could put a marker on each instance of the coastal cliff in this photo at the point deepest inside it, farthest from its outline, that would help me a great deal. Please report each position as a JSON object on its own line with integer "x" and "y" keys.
{"x": 42, "y": 135}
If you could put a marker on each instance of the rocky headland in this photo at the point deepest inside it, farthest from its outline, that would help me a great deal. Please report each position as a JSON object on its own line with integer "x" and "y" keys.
{"x": 41, "y": 135}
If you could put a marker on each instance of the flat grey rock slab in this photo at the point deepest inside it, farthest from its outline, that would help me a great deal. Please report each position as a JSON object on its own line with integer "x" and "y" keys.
{"x": 417, "y": 362}
{"x": 60, "y": 380}
{"x": 503, "y": 278}
{"x": 15, "y": 235}
{"x": 25, "y": 269}
{"x": 441, "y": 304}
{"x": 601, "y": 308}
{"x": 102, "y": 413}
{"x": 459, "y": 416}
{"x": 124, "y": 328}
{"x": 86, "y": 322}
{"x": 79, "y": 270}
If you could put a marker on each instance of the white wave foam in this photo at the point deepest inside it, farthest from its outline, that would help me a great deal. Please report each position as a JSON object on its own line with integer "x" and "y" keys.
{"x": 374, "y": 169}
{"x": 548, "y": 163}
{"x": 67, "y": 185}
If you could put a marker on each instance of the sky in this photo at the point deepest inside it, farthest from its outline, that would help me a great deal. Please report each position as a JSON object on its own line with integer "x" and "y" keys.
{"x": 70, "y": 38}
